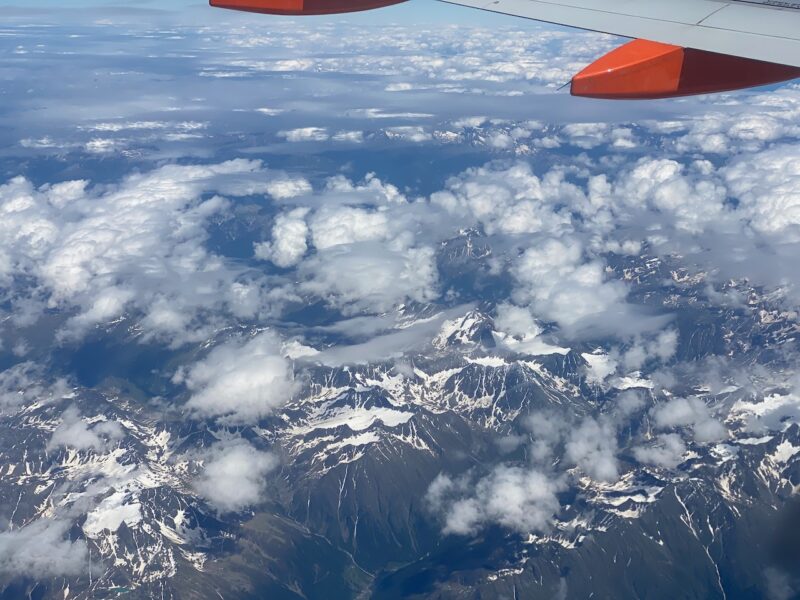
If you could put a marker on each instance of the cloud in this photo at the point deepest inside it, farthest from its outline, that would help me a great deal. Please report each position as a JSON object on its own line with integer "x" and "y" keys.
{"x": 370, "y": 277}
{"x": 306, "y": 134}
{"x": 240, "y": 381}
{"x": 347, "y": 225}
{"x": 512, "y": 200}
{"x": 389, "y": 339}
{"x": 592, "y": 446}
{"x": 562, "y": 286}
{"x": 779, "y": 585}
{"x": 289, "y": 240}
{"x": 75, "y": 432}
{"x": 517, "y": 331}
{"x": 768, "y": 187}
{"x": 692, "y": 413}
{"x": 286, "y": 188}
{"x": 133, "y": 248}
{"x": 24, "y": 384}
{"x": 233, "y": 475}
{"x": 42, "y": 549}
{"x": 661, "y": 348}
{"x": 518, "y": 498}
{"x": 667, "y": 451}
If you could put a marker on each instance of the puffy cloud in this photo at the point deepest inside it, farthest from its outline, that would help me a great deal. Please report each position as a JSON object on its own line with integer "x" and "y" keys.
{"x": 516, "y": 321}
{"x": 370, "y": 277}
{"x": 233, "y": 475}
{"x": 346, "y": 225}
{"x": 137, "y": 247}
{"x": 779, "y": 585}
{"x": 548, "y": 429}
{"x": 692, "y": 413}
{"x": 629, "y": 403}
{"x": 768, "y": 187}
{"x": 511, "y": 200}
{"x": 75, "y": 432}
{"x": 286, "y": 188}
{"x": 691, "y": 202}
{"x": 660, "y": 348}
{"x": 519, "y": 498}
{"x": 289, "y": 240}
{"x": 592, "y": 446}
{"x": 240, "y": 381}
{"x": 562, "y": 286}
{"x": 306, "y": 134}
{"x": 666, "y": 451}
{"x": 517, "y": 331}
{"x": 42, "y": 549}
{"x": 24, "y": 384}
{"x": 372, "y": 191}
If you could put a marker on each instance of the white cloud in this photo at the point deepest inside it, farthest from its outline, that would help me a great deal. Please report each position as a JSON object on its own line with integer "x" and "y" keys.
{"x": 692, "y": 413}
{"x": 561, "y": 285}
{"x": 346, "y": 225}
{"x": 134, "y": 248}
{"x": 518, "y": 498}
{"x": 42, "y": 549}
{"x": 518, "y": 331}
{"x": 75, "y": 432}
{"x": 240, "y": 381}
{"x": 233, "y": 475}
{"x": 666, "y": 451}
{"x": 306, "y": 134}
{"x": 370, "y": 277}
{"x": 511, "y": 201}
{"x": 592, "y": 446}
{"x": 24, "y": 384}
{"x": 285, "y": 188}
{"x": 768, "y": 186}
{"x": 289, "y": 240}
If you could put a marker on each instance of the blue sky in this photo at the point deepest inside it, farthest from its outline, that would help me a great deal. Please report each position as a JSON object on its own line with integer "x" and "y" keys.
{"x": 413, "y": 11}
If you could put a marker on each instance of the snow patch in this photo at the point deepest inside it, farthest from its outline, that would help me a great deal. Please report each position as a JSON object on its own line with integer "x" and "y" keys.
{"x": 111, "y": 514}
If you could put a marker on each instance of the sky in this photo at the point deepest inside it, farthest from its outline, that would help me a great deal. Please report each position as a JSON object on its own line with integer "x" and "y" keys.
{"x": 413, "y": 11}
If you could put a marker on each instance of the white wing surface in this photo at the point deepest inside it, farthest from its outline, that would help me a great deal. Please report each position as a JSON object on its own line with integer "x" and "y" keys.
{"x": 767, "y": 30}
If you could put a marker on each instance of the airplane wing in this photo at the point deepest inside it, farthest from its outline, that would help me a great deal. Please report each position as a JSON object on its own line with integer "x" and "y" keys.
{"x": 765, "y": 30}
{"x": 681, "y": 47}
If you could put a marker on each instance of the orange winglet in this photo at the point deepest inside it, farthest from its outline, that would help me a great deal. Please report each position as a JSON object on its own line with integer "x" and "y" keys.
{"x": 646, "y": 70}
{"x": 302, "y": 7}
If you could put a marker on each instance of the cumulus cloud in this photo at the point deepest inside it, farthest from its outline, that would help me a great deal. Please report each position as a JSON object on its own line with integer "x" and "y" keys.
{"x": 306, "y": 134}
{"x": 517, "y": 331}
{"x": 289, "y": 240}
{"x": 233, "y": 475}
{"x": 75, "y": 432}
{"x": 661, "y": 348}
{"x": 347, "y": 225}
{"x": 692, "y": 413}
{"x": 42, "y": 549}
{"x": 240, "y": 381}
{"x": 548, "y": 429}
{"x": 592, "y": 446}
{"x": 370, "y": 277}
{"x": 511, "y": 201}
{"x": 666, "y": 451}
{"x": 285, "y": 188}
{"x": 562, "y": 286}
{"x": 519, "y": 498}
{"x": 133, "y": 248}
{"x": 25, "y": 384}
